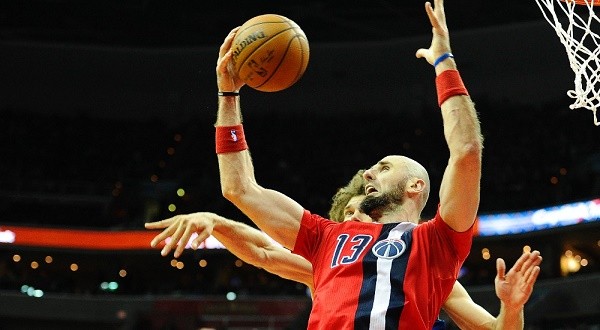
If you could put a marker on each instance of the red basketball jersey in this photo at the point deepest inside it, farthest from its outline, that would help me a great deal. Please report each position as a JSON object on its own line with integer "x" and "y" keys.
{"x": 380, "y": 276}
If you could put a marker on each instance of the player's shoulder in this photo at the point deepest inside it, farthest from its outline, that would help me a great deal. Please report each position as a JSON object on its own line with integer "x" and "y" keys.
{"x": 430, "y": 222}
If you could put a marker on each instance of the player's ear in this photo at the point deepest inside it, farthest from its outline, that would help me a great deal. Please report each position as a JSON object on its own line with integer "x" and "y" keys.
{"x": 415, "y": 186}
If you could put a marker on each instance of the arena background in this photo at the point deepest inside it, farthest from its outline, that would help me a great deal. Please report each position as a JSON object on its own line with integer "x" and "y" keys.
{"x": 108, "y": 109}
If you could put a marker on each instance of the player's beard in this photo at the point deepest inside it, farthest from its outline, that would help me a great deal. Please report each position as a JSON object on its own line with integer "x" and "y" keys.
{"x": 376, "y": 206}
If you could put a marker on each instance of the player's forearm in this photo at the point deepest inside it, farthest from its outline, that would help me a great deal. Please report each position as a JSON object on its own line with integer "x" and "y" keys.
{"x": 461, "y": 125}
{"x": 255, "y": 248}
{"x": 243, "y": 241}
{"x": 229, "y": 112}
{"x": 274, "y": 213}
{"x": 462, "y": 130}
{"x": 510, "y": 318}
{"x": 464, "y": 321}
{"x": 239, "y": 238}
{"x": 236, "y": 169}
{"x": 460, "y": 188}
{"x": 465, "y": 313}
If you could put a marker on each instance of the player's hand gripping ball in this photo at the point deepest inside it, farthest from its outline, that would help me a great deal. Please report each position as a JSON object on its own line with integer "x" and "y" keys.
{"x": 270, "y": 53}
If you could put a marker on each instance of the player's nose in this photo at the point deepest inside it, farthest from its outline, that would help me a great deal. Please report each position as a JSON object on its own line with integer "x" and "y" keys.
{"x": 359, "y": 216}
{"x": 369, "y": 175}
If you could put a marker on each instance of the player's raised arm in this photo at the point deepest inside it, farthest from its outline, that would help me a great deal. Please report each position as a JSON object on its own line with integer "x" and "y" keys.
{"x": 460, "y": 187}
{"x": 276, "y": 214}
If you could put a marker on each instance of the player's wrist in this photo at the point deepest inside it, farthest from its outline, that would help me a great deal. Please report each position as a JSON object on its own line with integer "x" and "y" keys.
{"x": 445, "y": 65}
{"x": 217, "y": 221}
{"x": 444, "y": 61}
{"x": 228, "y": 93}
{"x": 443, "y": 57}
{"x": 230, "y": 139}
{"x": 510, "y": 307}
{"x": 449, "y": 83}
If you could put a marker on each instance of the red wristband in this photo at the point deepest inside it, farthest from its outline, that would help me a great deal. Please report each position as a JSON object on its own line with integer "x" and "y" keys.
{"x": 230, "y": 139}
{"x": 448, "y": 84}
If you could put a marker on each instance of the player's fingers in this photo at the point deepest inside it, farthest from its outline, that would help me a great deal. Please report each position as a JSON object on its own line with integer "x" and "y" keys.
{"x": 533, "y": 259}
{"x": 202, "y": 236}
{"x": 421, "y": 53}
{"x": 532, "y": 264}
{"x": 439, "y": 7}
{"x": 227, "y": 42}
{"x": 174, "y": 239}
{"x": 232, "y": 33}
{"x": 519, "y": 264}
{"x": 183, "y": 241}
{"x": 530, "y": 280}
{"x": 536, "y": 258}
{"x": 538, "y": 261}
{"x": 158, "y": 224}
{"x": 224, "y": 64}
{"x": 500, "y": 268}
{"x": 159, "y": 238}
{"x": 223, "y": 60}
{"x": 163, "y": 235}
{"x": 431, "y": 14}
{"x": 527, "y": 272}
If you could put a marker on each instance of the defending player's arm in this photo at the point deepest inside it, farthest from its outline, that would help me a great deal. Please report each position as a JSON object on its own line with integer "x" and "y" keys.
{"x": 276, "y": 214}
{"x": 513, "y": 289}
{"x": 460, "y": 187}
{"x": 247, "y": 243}
{"x": 465, "y": 313}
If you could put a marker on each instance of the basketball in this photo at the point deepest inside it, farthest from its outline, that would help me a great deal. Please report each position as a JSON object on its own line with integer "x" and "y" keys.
{"x": 270, "y": 52}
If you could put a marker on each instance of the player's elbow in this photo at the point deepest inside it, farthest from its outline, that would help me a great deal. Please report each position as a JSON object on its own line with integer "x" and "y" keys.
{"x": 469, "y": 154}
{"x": 231, "y": 193}
{"x": 234, "y": 192}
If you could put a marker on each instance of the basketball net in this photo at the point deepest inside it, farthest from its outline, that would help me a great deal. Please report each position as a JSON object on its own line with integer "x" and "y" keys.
{"x": 582, "y": 45}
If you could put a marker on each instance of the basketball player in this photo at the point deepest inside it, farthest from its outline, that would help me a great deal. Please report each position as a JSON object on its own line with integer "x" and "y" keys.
{"x": 253, "y": 247}
{"x": 346, "y": 203}
{"x": 390, "y": 274}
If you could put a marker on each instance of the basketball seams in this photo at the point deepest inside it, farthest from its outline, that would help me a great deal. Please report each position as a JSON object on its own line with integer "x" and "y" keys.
{"x": 269, "y": 22}
{"x": 265, "y": 41}
{"x": 304, "y": 52}
{"x": 299, "y": 35}
{"x": 301, "y": 68}
{"x": 287, "y": 49}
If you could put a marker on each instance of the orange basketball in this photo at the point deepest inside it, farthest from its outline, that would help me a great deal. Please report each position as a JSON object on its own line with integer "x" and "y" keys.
{"x": 270, "y": 52}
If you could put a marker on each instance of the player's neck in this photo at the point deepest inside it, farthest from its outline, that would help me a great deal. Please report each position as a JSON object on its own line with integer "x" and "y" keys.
{"x": 400, "y": 214}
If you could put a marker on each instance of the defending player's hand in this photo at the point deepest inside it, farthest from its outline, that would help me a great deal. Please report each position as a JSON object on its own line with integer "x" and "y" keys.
{"x": 514, "y": 288}
{"x": 226, "y": 80}
{"x": 180, "y": 228}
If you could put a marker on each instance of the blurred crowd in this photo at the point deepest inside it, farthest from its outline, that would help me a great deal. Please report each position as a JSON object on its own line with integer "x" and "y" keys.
{"x": 83, "y": 171}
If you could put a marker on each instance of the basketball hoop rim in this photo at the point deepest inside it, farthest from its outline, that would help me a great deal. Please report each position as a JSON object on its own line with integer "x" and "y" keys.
{"x": 595, "y": 3}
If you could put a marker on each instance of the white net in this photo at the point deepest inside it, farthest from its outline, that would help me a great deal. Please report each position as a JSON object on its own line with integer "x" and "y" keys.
{"x": 574, "y": 26}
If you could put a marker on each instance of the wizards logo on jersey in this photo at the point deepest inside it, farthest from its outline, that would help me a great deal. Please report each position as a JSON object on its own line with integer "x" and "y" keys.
{"x": 389, "y": 248}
